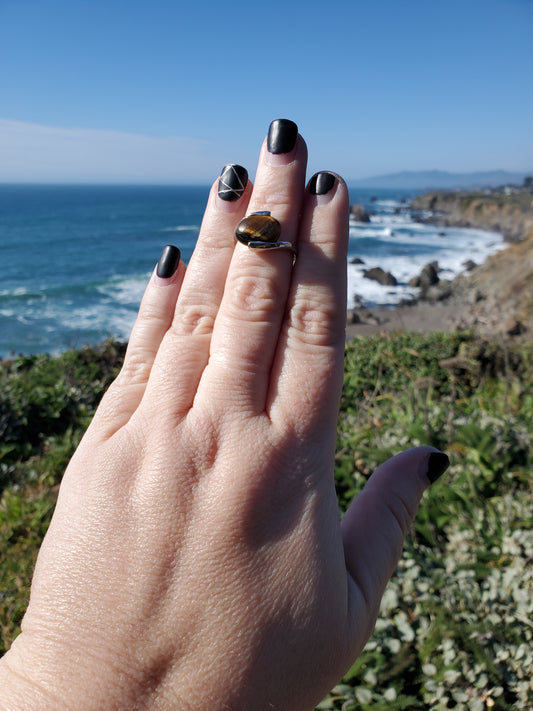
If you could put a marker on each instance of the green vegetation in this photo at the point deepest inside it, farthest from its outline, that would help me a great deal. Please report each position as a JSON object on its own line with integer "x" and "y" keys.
{"x": 456, "y": 623}
{"x": 45, "y": 406}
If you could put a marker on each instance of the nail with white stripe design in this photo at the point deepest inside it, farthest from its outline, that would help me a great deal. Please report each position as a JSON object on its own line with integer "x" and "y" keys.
{"x": 232, "y": 182}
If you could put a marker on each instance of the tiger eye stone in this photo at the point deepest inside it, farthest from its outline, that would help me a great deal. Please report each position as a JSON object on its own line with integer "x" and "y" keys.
{"x": 258, "y": 228}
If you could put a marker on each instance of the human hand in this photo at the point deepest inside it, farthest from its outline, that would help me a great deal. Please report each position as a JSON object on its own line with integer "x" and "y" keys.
{"x": 196, "y": 559}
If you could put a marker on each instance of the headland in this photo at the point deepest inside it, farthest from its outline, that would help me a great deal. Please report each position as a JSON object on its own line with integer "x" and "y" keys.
{"x": 495, "y": 298}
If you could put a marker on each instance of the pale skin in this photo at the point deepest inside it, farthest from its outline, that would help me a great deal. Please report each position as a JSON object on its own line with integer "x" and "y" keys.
{"x": 196, "y": 559}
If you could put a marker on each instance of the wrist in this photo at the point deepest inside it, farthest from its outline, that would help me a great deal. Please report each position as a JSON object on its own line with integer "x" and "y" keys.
{"x": 39, "y": 678}
{"x": 19, "y": 691}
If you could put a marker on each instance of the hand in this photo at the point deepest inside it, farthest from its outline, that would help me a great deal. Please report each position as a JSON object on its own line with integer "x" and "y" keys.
{"x": 196, "y": 559}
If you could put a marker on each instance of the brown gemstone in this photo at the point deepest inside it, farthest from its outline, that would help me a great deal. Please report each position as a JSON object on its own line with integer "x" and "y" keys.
{"x": 258, "y": 228}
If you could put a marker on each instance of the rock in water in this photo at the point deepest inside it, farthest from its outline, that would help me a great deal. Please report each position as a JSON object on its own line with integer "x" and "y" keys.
{"x": 428, "y": 276}
{"x": 382, "y": 277}
{"x": 359, "y": 213}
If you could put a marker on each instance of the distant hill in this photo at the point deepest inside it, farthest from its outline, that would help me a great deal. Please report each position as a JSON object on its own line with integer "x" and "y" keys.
{"x": 441, "y": 180}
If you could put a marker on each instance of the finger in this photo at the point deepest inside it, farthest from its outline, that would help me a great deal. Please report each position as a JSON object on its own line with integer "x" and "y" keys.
{"x": 313, "y": 337}
{"x": 247, "y": 326}
{"x": 375, "y": 525}
{"x": 184, "y": 351}
{"x": 153, "y": 320}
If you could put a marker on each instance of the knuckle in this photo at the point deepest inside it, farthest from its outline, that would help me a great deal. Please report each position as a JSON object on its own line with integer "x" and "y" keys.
{"x": 193, "y": 320}
{"x": 254, "y": 296}
{"x": 136, "y": 368}
{"x": 313, "y": 322}
{"x": 273, "y": 195}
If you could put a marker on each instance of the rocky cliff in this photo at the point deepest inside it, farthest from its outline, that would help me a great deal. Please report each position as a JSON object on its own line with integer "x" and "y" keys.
{"x": 498, "y": 295}
{"x": 510, "y": 214}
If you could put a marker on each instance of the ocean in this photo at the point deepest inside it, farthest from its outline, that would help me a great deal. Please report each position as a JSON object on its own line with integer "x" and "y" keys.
{"x": 74, "y": 260}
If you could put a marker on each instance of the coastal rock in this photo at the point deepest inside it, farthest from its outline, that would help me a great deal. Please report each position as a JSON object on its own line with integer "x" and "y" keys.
{"x": 356, "y": 260}
{"x": 427, "y": 277}
{"x": 372, "y": 319}
{"x": 438, "y": 292}
{"x": 359, "y": 213}
{"x": 408, "y": 301}
{"x": 469, "y": 265}
{"x": 382, "y": 277}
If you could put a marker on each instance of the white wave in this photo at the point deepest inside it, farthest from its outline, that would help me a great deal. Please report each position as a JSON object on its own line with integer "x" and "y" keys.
{"x": 365, "y": 230}
{"x": 127, "y": 292}
{"x": 401, "y": 218}
{"x": 404, "y": 251}
{"x": 391, "y": 204}
{"x": 19, "y": 291}
{"x": 104, "y": 318}
{"x": 180, "y": 228}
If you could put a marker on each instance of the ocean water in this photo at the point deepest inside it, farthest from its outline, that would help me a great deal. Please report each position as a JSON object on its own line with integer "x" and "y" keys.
{"x": 74, "y": 260}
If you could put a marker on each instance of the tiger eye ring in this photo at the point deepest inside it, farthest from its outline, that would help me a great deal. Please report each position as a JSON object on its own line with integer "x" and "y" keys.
{"x": 261, "y": 231}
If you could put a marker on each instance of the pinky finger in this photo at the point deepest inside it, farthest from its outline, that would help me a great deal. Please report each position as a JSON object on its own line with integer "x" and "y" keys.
{"x": 153, "y": 320}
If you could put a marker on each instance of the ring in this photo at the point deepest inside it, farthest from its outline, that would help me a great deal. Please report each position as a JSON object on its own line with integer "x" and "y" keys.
{"x": 261, "y": 231}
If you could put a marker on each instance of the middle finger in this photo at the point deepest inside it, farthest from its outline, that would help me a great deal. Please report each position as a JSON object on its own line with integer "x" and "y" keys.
{"x": 248, "y": 322}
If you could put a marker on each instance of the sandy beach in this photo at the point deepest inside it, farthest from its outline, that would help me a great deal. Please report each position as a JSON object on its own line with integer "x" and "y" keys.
{"x": 421, "y": 317}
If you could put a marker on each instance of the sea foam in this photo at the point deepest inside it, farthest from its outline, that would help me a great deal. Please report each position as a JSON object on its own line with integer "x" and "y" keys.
{"x": 403, "y": 247}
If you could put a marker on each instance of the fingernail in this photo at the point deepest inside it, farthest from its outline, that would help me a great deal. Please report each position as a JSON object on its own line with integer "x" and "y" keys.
{"x": 168, "y": 262}
{"x": 438, "y": 462}
{"x": 282, "y": 136}
{"x": 232, "y": 182}
{"x": 321, "y": 183}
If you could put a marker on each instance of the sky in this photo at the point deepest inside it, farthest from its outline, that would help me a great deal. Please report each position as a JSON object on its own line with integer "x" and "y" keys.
{"x": 113, "y": 91}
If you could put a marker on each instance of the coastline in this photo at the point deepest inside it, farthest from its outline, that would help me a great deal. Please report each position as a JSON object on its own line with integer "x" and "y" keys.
{"x": 495, "y": 298}
{"x": 419, "y": 317}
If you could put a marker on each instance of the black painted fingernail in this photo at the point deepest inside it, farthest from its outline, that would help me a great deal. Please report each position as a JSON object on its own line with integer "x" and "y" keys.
{"x": 321, "y": 183}
{"x": 232, "y": 182}
{"x": 168, "y": 261}
{"x": 438, "y": 462}
{"x": 282, "y": 136}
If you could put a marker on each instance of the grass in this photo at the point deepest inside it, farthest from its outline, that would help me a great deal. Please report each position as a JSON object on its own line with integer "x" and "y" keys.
{"x": 456, "y": 623}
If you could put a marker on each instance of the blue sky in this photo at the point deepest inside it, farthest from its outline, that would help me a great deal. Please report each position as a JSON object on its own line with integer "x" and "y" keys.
{"x": 154, "y": 91}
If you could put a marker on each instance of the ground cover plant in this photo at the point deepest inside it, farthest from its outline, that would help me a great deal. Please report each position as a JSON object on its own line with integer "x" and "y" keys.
{"x": 456, "y": 623}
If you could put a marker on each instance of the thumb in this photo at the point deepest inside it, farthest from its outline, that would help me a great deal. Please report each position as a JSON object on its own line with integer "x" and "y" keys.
{"x": 377, "y": 521}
